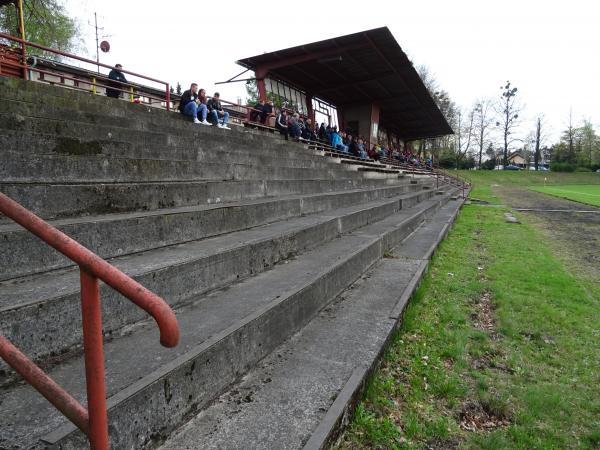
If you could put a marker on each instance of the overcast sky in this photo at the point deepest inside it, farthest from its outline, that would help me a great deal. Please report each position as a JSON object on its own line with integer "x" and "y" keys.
{"x": 549, "y": 49}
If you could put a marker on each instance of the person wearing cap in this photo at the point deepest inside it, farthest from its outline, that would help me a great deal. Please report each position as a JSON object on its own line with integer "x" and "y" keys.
{"x": 215, "y": 111}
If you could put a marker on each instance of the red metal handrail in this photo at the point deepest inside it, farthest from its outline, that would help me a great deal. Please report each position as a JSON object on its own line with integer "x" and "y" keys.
{"x": 88, "y": 61}
{"x": 93, "y": 421}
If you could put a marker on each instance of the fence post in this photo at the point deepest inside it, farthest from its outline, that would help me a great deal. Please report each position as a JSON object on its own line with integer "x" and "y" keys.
{"x": 131, "y": 94}
{"x": 94, "y": 360}
{"x": 93, "y": 85}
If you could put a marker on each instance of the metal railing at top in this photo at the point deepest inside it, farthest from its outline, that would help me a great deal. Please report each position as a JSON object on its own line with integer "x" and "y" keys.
{"x": 93, "y": 81}
{"x": 92, "y": 421}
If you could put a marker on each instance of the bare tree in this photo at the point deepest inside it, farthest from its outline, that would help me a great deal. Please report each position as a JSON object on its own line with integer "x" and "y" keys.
{"x": 508, "y": 110}
{"x": 538, "y": 139}
{"x": 483, "y": 120}
{"x": 464, "y": 135}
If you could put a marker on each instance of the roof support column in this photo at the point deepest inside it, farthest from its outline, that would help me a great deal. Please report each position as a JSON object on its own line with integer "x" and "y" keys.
{"x": 261, "y": 74}
{"x": 375, "y": 110}
{"x": 309, "y": 108}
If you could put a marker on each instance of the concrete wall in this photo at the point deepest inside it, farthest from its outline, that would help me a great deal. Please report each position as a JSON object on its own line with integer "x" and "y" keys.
{"x": 361, "y": 114}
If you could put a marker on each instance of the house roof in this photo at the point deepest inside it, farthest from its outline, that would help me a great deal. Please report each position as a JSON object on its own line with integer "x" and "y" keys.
{"x": 360, "y": 68}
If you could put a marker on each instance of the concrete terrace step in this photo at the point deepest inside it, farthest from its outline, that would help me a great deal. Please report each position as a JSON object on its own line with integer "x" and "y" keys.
{"x": 298, "y": 396}
{"x": 224, "y": 334}
{"x": 102, "y": 112}
{"x": 60, "y": 200}
{"x": 18, "y": 168}
{"x": 40, "y": 313}
{"x": 244, "y": 153}
{"x": 120, "y": 234}
{"x": 193, "y": 138}
{"x": 81, "y": 106}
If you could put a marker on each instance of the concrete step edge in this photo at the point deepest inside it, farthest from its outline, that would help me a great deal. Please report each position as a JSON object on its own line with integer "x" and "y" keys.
{"x": 121, "y": 406}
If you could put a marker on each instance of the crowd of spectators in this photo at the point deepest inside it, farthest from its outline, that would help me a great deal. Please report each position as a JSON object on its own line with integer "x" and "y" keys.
{"x": 203, "y": 110}
{"x": 195, "y": 104}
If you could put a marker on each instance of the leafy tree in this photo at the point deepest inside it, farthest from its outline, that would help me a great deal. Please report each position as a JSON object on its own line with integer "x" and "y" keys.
{"x": 278, "y": 100}
{"x": 436, "y": 146}
{"x": 46, "y": 22}
{"x": 178, "y": 90}
{"x": 568, "y": 137}
{"x": 589, "y": 143}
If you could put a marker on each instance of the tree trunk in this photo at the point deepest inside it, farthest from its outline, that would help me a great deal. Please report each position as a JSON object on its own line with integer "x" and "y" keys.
{"x": 537, "y": 143}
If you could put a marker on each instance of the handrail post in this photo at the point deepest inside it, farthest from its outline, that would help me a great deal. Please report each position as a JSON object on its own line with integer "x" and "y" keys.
{"x": 93, "y": 85}
{"x": 131, "y": 94}
{"x": 94, "y": 360}
{"x": 168, "y": 96}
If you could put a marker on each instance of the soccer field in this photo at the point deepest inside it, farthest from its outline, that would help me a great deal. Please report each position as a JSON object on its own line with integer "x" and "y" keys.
{"x": 583, "y": 193}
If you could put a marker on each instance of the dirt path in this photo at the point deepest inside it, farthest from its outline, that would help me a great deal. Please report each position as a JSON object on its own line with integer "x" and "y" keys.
{"x": 575, "y": 237}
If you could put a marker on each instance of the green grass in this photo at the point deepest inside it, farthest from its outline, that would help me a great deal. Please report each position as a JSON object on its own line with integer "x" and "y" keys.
{"x": 537, "y": 371}
{"x": 526, "y": 178}
{"x": 582, "y": 193}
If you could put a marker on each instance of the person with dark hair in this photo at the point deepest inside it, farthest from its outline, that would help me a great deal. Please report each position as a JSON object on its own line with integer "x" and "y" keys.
{"x": 322, "y": 132}
{"x": 307, "y": 132}
{"x": 267, "y": 110}
{"x": 217, "y": 113}
{"x": 191, "y": 104}
{"x": 118, "y": 77}
{"x": 257, "y": 110}
{"x": 337, "y": 142}
{"x": 281, "y": 123}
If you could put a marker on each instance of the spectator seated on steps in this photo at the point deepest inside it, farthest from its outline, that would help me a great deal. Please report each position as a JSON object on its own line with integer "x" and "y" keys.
{"x": 281, "y": 123}
{"x": 267, "y": 111}
{"x": 361, "y": 149}
{"x": 322, "y": 133}
{"x": 191, "y": 105}
{"x": 217, "y": 115}
{"x": 336, "y": 141}
{"x": 294, "y": 126}
{"x": 257, "y": 111}
{"x": 308, "y": 133}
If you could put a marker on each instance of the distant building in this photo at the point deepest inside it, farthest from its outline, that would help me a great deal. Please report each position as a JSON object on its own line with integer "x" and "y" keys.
{"x": 363, "y": 83}
{"x": 517, "y": 159}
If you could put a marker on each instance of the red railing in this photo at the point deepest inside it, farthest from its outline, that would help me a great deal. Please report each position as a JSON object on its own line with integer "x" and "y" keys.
{"x": 93, "y": 420}
{"x": 92, "y": 82}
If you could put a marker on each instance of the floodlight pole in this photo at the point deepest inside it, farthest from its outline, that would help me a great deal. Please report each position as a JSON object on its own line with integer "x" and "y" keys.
{"x": 97, "y": 45}
{"x": 19, "y": 5}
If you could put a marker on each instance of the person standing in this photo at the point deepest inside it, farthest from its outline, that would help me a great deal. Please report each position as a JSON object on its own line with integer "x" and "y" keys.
{"x": 118, "y": 78}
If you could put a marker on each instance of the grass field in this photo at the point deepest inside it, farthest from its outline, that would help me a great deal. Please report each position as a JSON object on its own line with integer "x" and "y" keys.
{"x": 582, "y": 193}
{"x": 527, "y": 178}
{"x": 499, "y": 348}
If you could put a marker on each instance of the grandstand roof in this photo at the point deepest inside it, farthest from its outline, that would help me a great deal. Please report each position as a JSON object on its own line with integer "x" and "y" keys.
{"x": 360, "y": 68}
